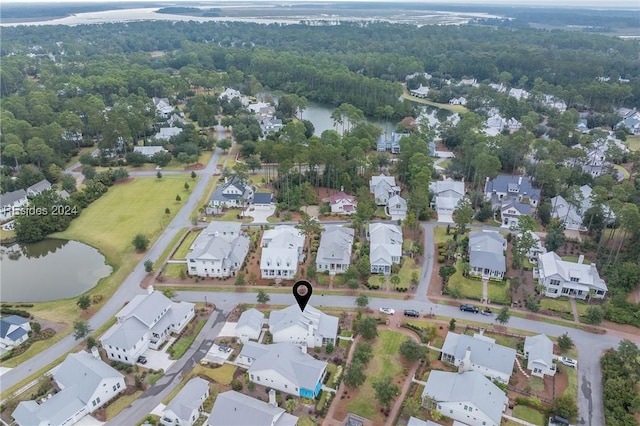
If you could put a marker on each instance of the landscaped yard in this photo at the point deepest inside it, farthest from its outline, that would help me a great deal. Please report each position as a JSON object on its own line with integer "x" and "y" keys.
{"x": 528, "y": 414}
{"x": 181, "y": 345}
{"x": 625, "y": 172}
{"x": 232, "y": 215}
{"x": 560, "y": 304}
{"x": 175, "y": 270}
{"x": 183, "y": 250}
{"x": 385, "y": 362}
{"x": 440, "y": 234}
{"x": 499, "y": 292}
{"x": 469, "y": 289}
{"x": 222, "y": 374}
{"x": 633, "y": 142}
{"x": 120, "y": 404}
{"x": 408, "y": 268}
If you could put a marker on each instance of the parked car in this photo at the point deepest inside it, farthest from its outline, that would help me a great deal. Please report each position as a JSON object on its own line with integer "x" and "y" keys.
{"x": 142, "y": 360}
{"x": 486, "y": 311}
{"x": 387, "y": 311}
{"x": 411, "y": 313}
{"x": 224, "y": 348}
{"x": 469, "y": 308}
{"x": 569, "y": 362}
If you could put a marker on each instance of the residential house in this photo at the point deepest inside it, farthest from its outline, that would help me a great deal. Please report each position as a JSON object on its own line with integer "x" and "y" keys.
{"x": 383, "y": 187}
{"x": 14, "y": 331}
{"x": 311, "y": 327}
{"x": 163, "y": 107}
{"x": 231, "y": 94}
{"x": 231, "y": 194}
{"x": 396, "y": 208}
{"x": 185, "y": 408}
{"x": 235, "y": 409}
{"x": 498, "y": 87}
{"x": 538, "y": 249}
{"x": 519, "y": 93}
{"x": 511, "y": 209}
{"x": 334, "y": 252}
{"x": 145, "y": 323}
{"x": 166, "y": 133}
{"x": 572, "y": 279}
{"x": 385, "y": 248}
{"x": 552, "y": 102}
{"x": 284, "y": 367}
{"x": 630, "y": 123}
{"x": 249, "y": 325}
{"x": 479, "y": 353}
{"x": 572, "y": 214}
{"x": 582, "y": 126}
{"x": 86, "y": 383}
{"x": 176, "y": 119}
{"x": 421, "y": 92}
{"x": 468, "y": 397}
{"x": 262, "y": 200}
{"x": 417, "y": 422}
{"x": 392, "y": 144}
{"x": 539, "y": 353}
{"x": 505, "y": 187}
{"x": 342, "y": 203}
{"x": 38, "y": 188}
{"x": 218, "y": 251}
{"x": 447, "y": 194}
{"x": 12, "y": 203}
{"x": 486, "y": 254}
{"x": 458, "y": 101}
{"x": 469, "y": 82}
{"x": 494, "y": 125}
{"x": 281, "y": 251}
{"x": 270, "y": 125}
{"x": 149, "y": 151}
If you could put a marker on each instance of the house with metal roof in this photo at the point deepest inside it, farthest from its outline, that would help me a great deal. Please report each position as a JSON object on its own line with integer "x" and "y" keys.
{"x": 396, "y": 208}
{"x": 479, "y": 353}
{"x": 573, "y": 279}
{"x": 284, "y": 367}
{"x": 166, "y": 133}
{"x": 249, "y": 325}
{"x": 86, "y": 383}
{"x": 447, "y": 194}
{"x": 218, "y": 251}
{"x": 149, "y": 151}
{"x": 12, "y": 202}
{"x": 281, "y": 252}
{"x": 232, "y": 193}
{"x": 417, "y": 422}
{"x": 146, "y": 322}
{"x": 334, "y": 251}
{"x": 467, "y": 397}
{"x": 311, "y": 327}
{"x": 185, "y": 408}
{"x": 486, "y": 254}
{"x": 383, "y": 187}
{"x": 235, "y": 409}
{"x": 14, "y": 330}
{"x": 385, "y": 248}
{"x": 539, "y": 353}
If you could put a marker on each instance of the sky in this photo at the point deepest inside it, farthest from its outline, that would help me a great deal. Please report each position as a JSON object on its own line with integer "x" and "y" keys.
{"x": 631, "y": 4}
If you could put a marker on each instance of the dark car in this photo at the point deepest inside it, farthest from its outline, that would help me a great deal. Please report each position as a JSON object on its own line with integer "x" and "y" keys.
{"x": 469, "y": 308}
{"x": 142, "y": 360}
{"x": 411, "y": 313}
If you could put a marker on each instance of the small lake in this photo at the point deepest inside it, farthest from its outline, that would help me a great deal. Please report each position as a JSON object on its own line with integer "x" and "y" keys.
{"x": 320, "y": 116}
{"x": 49, "y": 270}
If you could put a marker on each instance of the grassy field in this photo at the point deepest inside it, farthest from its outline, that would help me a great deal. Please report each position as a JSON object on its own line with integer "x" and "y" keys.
{"x": 169, "y": 247}
{"x": 183, "y": 250}
{"x": 222, "y": 374}
{"x": 453, "y": 108}
{"x": 385, "y": 362}
{"x": 120, "y": 404}
{"x": 528, "y": 414}
{"x": 204, "y": 200}
{"x": 633, "y": 142}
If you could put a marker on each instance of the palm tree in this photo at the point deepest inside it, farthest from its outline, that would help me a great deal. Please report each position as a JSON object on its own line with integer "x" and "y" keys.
{"x": 291, "y": 405}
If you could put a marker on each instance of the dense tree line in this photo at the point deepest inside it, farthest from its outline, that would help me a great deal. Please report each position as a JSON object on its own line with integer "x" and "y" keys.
{"x": 620, "y": 379}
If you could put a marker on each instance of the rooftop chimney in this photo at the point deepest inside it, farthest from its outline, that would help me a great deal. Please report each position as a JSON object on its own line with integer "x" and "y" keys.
{"x": 150, "y": 289}
{"x": 95, "y": 352}
{"x": 520, "y": 180}
{"x": 465, "y": 364}
{"x": 272, "y": 398}
{"x": 580, "y": 259}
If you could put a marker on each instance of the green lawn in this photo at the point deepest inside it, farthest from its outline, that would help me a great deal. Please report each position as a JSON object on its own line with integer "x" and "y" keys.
{"x": 469, "y": 289}
{"x": 183, "y": 250}
{"x": 625, "y": 172}
{"x": 120, "y": 404}
{"x": 529, "y": 415}
{"x": 175, "y": 270}
{"x": 408, "y": 268}
{"x": 444, "y": 164}
{"x": 572, "y": 388}
{"x": 440, "y": 235}
{"x": 575, "y": 259}
{"x": 223, "y": 374}
{"x": 385, "y": 361}
{"x": 182, "y": 344}
{"x": 499, "y": 292}
{"x": 232, "y": 215}
{"x": 407, "y": 244}
{"x": 633, "y": 142}
{"x": 453, "y": 108}
{"x": 169, "y": 247}
{"x": 560, "y": 304}
{"x": 536, "y": 383}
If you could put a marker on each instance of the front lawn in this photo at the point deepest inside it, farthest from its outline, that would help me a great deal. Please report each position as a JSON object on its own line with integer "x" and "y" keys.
{"x": 180, "y": 346}
{"x": 183, "y": 250}
{"x": 385, "y": 362}
{"x": 499, "y": 292}
{"x": 469, "y": 289}
{"x": 223, "y": 374}
{"x": 408, "y": 268}
{"x": 633, "y": 142}
{"x": 529, "y": 415}
{"x": 440, "y": 235}
{"x": 120, "y": 404}
{"x": 560, "y": 304}
{"x": 231, "y": 215}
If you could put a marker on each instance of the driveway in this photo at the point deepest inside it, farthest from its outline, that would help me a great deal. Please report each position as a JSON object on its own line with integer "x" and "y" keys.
{"x": 216, "y": 355}
{"x": 445, "y": 218}
{"x": 159, "y": 360}
{"x": 260, "y": 214}
{"x": 228, "y": 329}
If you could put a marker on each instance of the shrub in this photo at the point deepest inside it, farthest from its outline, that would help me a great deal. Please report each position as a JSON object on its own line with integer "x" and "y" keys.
{"x": 236, "y": 385}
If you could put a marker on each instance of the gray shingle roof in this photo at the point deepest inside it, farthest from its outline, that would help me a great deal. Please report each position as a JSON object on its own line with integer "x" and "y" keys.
{"x": 540, "y": 348}
{"x": 37, "y": 188}
{"x": 54, "y": 411}
{"x": 235, "y": 409}
{"x": 7, "y": 322}
{"x": 469, "y": 386}
{"x": 219, "y": 194}
{"x": 189, "y": 398}
{"x": 146, "y": 307}
{"x": 513, "y": 185}
{"x": 323, "y": 324}
{"x": 336, "y": 243}
{"x": 288, "y": 360}
{"x": 483, "y": 352}
{"x": 251, "y": 318}
{"x": 486, "y": 250}
{"x": 125, "y": 334}
{"x": 11, "y": 197}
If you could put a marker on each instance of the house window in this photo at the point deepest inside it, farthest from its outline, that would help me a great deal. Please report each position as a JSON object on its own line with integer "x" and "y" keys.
{"x": 118, "y": 385}
{"x": 555, "y": 282}
{"x": 98, "y": 400}
{"x": 114, "y": 388}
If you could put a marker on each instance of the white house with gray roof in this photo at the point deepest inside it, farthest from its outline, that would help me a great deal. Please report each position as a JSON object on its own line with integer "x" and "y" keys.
{"x": 383, "y": 187}
{"x": 14, "y": 330}
{"x": 486, "y": 254}
{"x": 447, "y": 194}
{"x": 218, "y": 251}
{"x": 311, "y": 327}
{"x": 510, "y": 210}
{"x": 235, "y": 409}
{"x": 86, "y": 383}
{"x": 334, "y": 252}
{"x": 284, "y": 367}
{"x": 249, "y": 325}
{"x": 149, "y": 151}
{"x": 232, "y": 193}
{"x": 539, "y": 353}
{"x": 573, "y": 279}
{"x": 396, "y": 208}
{"x": 504, "y": 188}
{"x": 467, "y": 397}
{"x": 385, "y": 248}
{"x": 479, "y": 353}
{"x": 166, "y": 133}
{"x": 12, "y": 203}
{"x": 145, "y": 323}
{"x": 281, "y": 252}
{"x": 185, "y": 408}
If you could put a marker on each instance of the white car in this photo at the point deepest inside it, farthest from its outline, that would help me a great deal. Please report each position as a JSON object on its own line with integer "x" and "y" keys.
{"x": 387, "y": 311}
{"x": 569, "y": 362}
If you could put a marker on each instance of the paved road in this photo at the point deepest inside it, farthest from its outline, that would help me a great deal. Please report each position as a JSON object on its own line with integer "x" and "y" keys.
{"x": 129, "y": 288}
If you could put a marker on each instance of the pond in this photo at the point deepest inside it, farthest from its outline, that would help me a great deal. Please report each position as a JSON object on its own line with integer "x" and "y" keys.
{"x": 320, "y": 116}
{"x": 49, "y": 270}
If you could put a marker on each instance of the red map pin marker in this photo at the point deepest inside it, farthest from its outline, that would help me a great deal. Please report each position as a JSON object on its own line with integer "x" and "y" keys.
{"x": 302, "y": 292}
